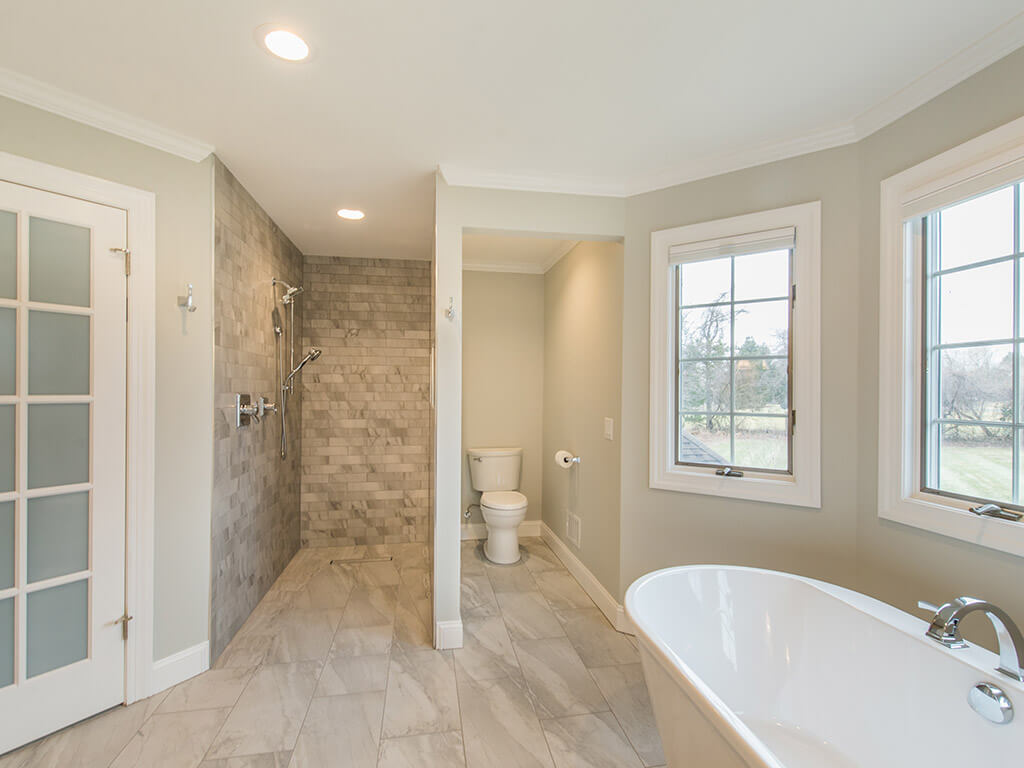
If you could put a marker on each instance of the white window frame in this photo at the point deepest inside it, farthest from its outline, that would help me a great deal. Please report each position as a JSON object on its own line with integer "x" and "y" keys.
{"x": 989, "y": 161}
{"x": 803, "y": 486}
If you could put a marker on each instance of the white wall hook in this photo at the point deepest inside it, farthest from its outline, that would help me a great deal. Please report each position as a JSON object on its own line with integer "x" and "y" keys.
{"x": 186, "y": 301}
{"x": 450, "y": 312}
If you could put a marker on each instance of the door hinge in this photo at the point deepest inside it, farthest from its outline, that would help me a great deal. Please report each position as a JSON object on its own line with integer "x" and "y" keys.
{"x": 127, "y": 259}
{"x": 123, "y": 621}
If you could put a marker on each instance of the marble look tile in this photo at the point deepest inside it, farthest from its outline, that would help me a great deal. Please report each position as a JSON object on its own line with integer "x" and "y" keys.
{"x": 473, "y": 558}
{"x": 432, "y": 750}
{"x": 597, "y": 643}
{"x": 213, "y": 689}
{"x": 562, "y": 591}
{"x": 559, "y": 683}
{"x": 487, "y": 651}
{"x": 538, "y": 557}
{"x": 589, "y": 741}
{"x": 500, "y": 727}
{"x": 363, "y": 641}
{"x": 416, "y": 582}
{"x": 300, "y": 634}
{"x": 329, "y": 587}
{"x": 626, "y": 692}
{"x": 510, "y": 578}
{"x": 421, "y": 694}
{"x": 266, "y": 760}
{"x": 528, "y": 616}
{"x": 374, "y": 574}
{"x": 174, "y": 740}
{"x": 478, "y": 596}
{"x": 340, "y": 730}
{"x": 269, "y": 712}
{"x": 413, "y": 629}
{"x": 370, "y": 607}
{"x": 352, "y": 674}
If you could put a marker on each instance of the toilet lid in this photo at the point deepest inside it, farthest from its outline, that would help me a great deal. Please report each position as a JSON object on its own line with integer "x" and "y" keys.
{"x": 503, "y": 500}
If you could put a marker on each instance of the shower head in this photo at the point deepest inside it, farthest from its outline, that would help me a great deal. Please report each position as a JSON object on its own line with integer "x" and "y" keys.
{"x": 290, "y": 291}
{"x": 312, "y": 355}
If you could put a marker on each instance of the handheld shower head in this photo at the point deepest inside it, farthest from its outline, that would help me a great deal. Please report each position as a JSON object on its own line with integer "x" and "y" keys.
{"x": 312, "y": 355}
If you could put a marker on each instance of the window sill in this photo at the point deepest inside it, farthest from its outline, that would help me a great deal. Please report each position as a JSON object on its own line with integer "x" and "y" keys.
{"x": 949, "y": 517}
{"x": 753, "y": 486}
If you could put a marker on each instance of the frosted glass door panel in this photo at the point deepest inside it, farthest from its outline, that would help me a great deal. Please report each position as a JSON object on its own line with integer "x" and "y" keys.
{"x": 6, "y": 544}
{"x": 58, "y": 444}
{"x": 58, "y": 535}
{"x": 6, "y": 448}
{"x": 8, "y": 347}
{"x": 58, "y": 353}
{"x": 58, "y": 262}
{"x": 57, "y": 627}
{"x": 8, "y": 255}
{"x": 6, "y": 642}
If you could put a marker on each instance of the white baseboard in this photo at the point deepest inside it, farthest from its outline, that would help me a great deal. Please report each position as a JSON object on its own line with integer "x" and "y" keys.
{"x": 609, "y": 606}
{"x": 479, "y": 530}
{"x": 178, "y": 667}
{"x": 448, "y": 634}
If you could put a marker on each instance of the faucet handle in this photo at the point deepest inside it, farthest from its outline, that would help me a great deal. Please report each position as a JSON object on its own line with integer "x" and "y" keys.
{"x": 924, "y": 605}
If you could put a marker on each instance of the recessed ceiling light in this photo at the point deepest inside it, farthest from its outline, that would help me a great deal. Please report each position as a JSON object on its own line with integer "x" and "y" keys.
{"x": 286, "y": 45}
{"x": 351, "y": 214}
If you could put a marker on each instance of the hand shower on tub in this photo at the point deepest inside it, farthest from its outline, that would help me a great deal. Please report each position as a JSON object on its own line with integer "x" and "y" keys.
{"x": 286, "y": 384}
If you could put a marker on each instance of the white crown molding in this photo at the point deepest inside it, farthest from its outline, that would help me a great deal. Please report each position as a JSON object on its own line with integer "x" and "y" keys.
{"x": 559, "y": 254}
{"x": 519, "y": 269}
{"x": 954, "y": 70}
{"x": 30, "y": 91}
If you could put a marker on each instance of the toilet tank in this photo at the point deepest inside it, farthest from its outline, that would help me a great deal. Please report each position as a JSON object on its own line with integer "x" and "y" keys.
{"x": 495, "y": 469}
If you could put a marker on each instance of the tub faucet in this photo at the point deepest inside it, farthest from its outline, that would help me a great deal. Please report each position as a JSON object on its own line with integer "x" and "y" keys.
{"x": 945, "y": 629}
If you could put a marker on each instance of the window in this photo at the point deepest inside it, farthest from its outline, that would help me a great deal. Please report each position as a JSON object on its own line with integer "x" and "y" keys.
{"x": 951, "y": 375}
{"x": 735, "y": 357}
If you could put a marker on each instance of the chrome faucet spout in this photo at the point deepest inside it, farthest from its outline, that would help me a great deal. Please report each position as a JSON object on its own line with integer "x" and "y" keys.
{"x": 945, "y": 629}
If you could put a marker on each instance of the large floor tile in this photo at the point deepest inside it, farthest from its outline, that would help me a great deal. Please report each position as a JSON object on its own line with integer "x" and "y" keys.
{"x": 370, "y": 607}
{"x": 421, "y": 694}
{"x": 473, "y": 560}
{"x": 413, "y": 629}
{"x": 174, "y": 740}
{"x": 486, "y": 651}
{"x": 302, "y": 634}
{"x": 626, "y": 692}
{"x": 538, "y": 557}
{"x": 589, "y": 741}
{"x": 353, "y": 674}
{"x": 528, "y": 616}
{"x": 561, "y": 590}
{"x": 269, "y": 712}
{"x": 477, "y": 596}
{"x": 432, "y": 750}
{"x": 500, "y": 727}
{"x": 559, "y": 683}
{"x": 340, "y": 730}
{"x": 597, "y": 643}
{"x": 362, "y": 641}
{"x": 266, "y": 760}
{"x": 213, "y": 689}
{"x": 511, "y": 578}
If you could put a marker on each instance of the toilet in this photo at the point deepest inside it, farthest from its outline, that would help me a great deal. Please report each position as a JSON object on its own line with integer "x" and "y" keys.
{"x": 496, "y": 472}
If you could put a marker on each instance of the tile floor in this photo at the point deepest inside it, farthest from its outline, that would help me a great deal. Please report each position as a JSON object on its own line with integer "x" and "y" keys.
{"x": 335, "y": 668}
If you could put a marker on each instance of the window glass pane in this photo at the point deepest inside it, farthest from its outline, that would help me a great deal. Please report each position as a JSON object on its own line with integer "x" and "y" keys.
{"x": 704, "y": 386}
{"x": 977, "y": 383}
{"x": 976, "y": 461}
{"x": 704, "y": 332}
{"x": 8, "y": 360}
{"x": 976, "y": 230}
{"x": 6, "y": 544}
{"x": 704, "y": 440}
{"x": 705, "y": 282}
{"x": 57, "y": 626}
{"x": 761, "y": 386}
{"x": 6, "y": 448}
{"x": 58, "y": 262}
{"x": 58, "y": 444}
{"x": 762, "y": 275}
{"x": 762, "y": 328}
{"x": 6, "y": 641}
{"x": 977, "y": 304}
{"x": 8, "y": 255}
{"x": 58, "y": 535}
{"x": 762, "y": 442}
{"x": 58, "y": 354}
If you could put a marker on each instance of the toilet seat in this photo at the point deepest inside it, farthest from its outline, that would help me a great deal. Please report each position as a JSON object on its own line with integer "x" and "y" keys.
{"x": 503, "y": 501}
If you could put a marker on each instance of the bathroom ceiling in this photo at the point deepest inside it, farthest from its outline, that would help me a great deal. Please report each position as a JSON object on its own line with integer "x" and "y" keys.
{"x": 512, "y": 253}
{"x": 588, "y": 96}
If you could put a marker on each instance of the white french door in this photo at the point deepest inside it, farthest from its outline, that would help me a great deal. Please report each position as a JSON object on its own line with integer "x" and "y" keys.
{"x": 63, "y": 295}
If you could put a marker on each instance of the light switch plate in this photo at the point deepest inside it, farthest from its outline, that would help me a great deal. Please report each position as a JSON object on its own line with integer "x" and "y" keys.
{"x": 609, "y": 428}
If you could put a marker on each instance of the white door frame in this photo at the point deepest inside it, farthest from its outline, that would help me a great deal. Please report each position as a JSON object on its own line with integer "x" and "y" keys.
{"x": 140, "y": 207}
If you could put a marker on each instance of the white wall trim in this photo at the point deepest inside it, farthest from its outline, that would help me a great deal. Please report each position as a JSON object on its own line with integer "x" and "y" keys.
{"x": 38, "y": 94}
{"x": 180, "y": 666}
{"x": 476, "y": 531}
{"x": 447, "y": 634}
{"x": 140, "y": 206}
{"x": 519, "y": 269}
{"x": 461, "y": 176}
{"x": 602, "y": 598}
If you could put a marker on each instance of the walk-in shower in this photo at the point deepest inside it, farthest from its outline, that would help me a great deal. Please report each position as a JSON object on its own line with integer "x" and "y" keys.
{"x": 286, "y": 384}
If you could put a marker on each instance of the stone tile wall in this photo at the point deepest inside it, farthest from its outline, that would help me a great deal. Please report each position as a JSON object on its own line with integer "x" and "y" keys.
{"x": 255, "y": 494}
{"x": 366, "y": 412}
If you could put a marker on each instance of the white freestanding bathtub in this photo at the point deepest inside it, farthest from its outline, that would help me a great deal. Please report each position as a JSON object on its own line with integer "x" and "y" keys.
{"x": 748, "y": 667}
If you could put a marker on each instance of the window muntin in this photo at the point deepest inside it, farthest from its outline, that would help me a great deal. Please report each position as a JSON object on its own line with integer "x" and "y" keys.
{"x": 973, "y": 419}
{"x": 732, "y": 358}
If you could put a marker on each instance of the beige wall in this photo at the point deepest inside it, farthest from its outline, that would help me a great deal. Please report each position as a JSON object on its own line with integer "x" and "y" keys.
{"x": 582, "y": 385}
{"x": 184, "y": 347}
{"x": 503, "y": 374}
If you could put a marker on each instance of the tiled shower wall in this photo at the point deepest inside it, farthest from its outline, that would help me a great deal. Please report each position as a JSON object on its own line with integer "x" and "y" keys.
{"x": 255, "y": 493}
{"x": 366, "y": 411}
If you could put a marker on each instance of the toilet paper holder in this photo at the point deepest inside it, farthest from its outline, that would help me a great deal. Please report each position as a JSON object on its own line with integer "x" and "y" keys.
{"x": 564, "y": 459}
